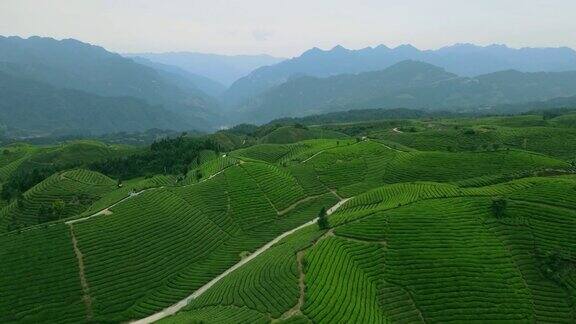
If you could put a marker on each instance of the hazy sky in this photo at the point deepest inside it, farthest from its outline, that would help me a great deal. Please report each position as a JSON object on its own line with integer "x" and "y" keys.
{"x": 288, "y": 27}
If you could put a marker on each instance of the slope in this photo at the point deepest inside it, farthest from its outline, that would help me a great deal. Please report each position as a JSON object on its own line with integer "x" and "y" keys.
{"x": 32, "y": 107}
{"x": 455, "y": 59}
{"x": 437, "y": 254}
{"x": 408, "y": 84}
{"x": 71, "y": 64}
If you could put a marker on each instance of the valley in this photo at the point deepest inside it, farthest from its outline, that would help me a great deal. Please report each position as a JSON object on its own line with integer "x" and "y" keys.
{"x": 287, "y": 162}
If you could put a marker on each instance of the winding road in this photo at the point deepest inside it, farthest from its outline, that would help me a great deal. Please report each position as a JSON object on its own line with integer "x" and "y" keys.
{"x": 181, "y": 304}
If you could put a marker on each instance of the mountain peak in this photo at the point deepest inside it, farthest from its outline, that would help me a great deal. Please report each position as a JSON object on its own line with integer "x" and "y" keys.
{"x": 381, "y": 47}
{"x": 338, "y": 48}
{"x": 405, "y": 48}
{"x": 313, "y": 51}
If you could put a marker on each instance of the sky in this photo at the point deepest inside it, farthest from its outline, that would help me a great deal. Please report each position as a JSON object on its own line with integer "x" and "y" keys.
{"x": 286, "y": 28}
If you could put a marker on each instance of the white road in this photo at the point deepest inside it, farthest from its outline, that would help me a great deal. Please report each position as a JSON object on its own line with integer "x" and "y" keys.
{"x": 106, "y": 211}
{"x": 181, "y": 304}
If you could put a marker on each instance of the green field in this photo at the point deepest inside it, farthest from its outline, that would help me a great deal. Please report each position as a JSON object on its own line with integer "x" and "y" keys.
{"x": 555, "y": 137}
{"x": 434, "y": 254}
{"x": 429, "y": 233}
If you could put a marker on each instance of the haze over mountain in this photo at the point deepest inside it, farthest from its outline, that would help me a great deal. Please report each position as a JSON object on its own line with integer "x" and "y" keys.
{"x": 225, "y": 69}
{"x": 143, "y": 93}
{"x": 408, "y": 84}
{"x": 206, "y": 85}
{"x": 34, "y": 109}
{"x": 71, "y": 64}
{"x": 461, "y": 59}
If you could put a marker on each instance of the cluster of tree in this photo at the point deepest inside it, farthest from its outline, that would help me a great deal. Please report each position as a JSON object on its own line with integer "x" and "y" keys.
{"x": 46, "y": 213}
{"x": 51, "y": 212}
{"x": 362, "y": 115}
{"x": 323, "y": 223}
{"x": 499, "y": 207}
{"x": 136, "y": 138}
{"x": 166, "y": 156}
{"x": 26, "y": 178}
{"x": 555, "y": 264}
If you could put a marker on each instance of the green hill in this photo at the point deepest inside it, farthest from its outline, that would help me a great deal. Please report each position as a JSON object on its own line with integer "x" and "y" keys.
{"x": 60, "y": 196}
{"x": 553, "y": 137}
{"x": 290, "y": 134}
{"x": 416, "y": 235}
{"x": 437, "y": 255}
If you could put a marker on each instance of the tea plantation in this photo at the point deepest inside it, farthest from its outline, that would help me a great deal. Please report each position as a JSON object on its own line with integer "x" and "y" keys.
{"x": 414, "y": 231}
{"x": 435, "y": 254}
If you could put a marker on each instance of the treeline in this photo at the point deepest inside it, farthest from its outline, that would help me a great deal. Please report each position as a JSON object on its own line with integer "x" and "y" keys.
{"x": 167, "y": 156}
{"x": 362, "y": 115}
{"x": 26, "y": 177}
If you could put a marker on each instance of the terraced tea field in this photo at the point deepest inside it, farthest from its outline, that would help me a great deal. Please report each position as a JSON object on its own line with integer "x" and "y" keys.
{"x": 414, "y": 235}
{"x": 555, "y": 137}
{"x": 436, "y": 255}
{"x": 76, "y": 190}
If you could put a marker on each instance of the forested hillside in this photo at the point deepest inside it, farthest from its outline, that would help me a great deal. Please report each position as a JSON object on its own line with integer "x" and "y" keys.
{"x": 461, "y": 59}
{"x": 73, "y": 65}
{"x": 34, "y": 108}
{"x": 408, "y": 84}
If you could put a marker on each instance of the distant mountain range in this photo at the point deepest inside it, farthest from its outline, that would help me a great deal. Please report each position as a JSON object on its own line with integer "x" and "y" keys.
{"x": 408, "y": 84}
{"x": 461, "y": 59}
{"x": 225, "y": 69}
{"x": 69, "y": 87}
{"x": 73, "y": 65}
{"x": 205, "y": 84}
{"x": 33, "y": 108}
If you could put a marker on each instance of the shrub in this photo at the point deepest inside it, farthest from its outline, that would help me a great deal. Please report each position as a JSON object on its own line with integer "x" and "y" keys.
{"x": 323, "y": 220}
{"x": 498, "y": 207}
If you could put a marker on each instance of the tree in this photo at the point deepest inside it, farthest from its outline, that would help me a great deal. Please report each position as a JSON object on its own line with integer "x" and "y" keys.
{"x": 498, "y": 207}
{"x": 119, "y": 183}
{"x": 6, "y": 152}
{"x": 44, "y": 214}
{"x": 198, "y": 175}
{"x": 323, "y": 219}
{"x": 58, "y": 206}
{"x": 555, "y": 264}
